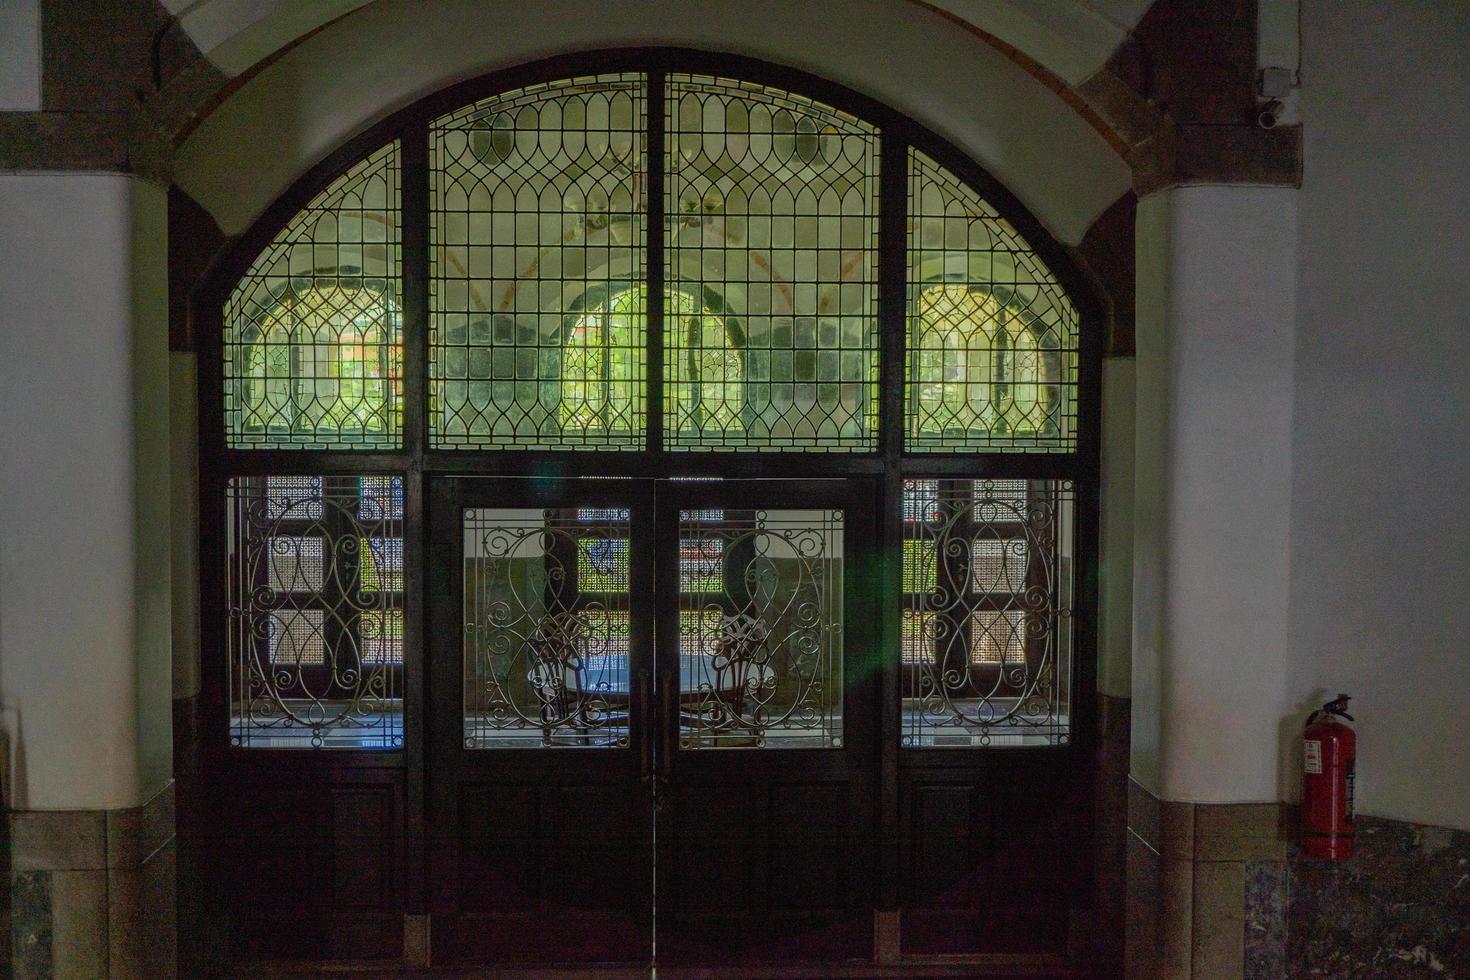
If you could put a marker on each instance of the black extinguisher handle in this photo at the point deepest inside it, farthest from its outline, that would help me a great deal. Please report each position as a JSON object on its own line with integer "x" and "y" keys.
{"x": 1337, "y": 706}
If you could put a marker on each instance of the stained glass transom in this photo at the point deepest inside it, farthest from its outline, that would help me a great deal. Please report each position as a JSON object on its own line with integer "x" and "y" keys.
{"x": 772, "y": 204}
{"x": 537, "y": 202}
{"x": 992, "y": 337}
{"x": 313, "y": 345}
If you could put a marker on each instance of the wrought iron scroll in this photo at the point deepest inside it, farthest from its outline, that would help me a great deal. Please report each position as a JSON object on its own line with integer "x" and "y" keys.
{"x": 315, "y": 580}
{"x": 760, "y": 629}
{"x": 313, "y": 349}
{"x": 547, "y": 640}
{"x": 537, "y": 326}
{"x": 992, "y": 337}
{"x": 772, "y": 204}
{"x": 987, "y": 624}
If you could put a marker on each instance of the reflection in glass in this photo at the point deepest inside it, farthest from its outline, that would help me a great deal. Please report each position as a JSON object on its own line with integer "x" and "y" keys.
{"x": 546, "y": 628}
{"x": 760, "y": 629}
{"x": 537, "y": 321}
{"x": 772, "y": 203}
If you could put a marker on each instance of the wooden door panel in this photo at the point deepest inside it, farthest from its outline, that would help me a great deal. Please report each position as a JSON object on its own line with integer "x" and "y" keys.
{"x": 311, "y": 868}
{"x": 542, "y": 835}
{"x": 766, "y": 837}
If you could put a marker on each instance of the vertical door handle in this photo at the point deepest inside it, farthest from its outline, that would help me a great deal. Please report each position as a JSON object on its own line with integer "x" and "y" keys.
{"x": 642, "y": 708}
{"x": 670, "y": 725}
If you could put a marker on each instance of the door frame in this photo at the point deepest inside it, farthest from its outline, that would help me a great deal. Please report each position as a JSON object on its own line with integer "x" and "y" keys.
{"x": 462, "y": 935}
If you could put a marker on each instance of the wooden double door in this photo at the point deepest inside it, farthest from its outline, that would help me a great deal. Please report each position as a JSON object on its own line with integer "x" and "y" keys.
{"x": 652, "y": 720}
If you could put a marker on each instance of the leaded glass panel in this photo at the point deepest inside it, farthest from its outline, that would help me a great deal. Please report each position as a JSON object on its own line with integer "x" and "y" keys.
{"x": 987, "y": 648}
{"x": 770, "y": 334}
{"x": 537, "y": 310}
{"x": 547, "y": 641}
{"x": 313, "y": 347}
{"x": 992, "y": 337}
{"x": 315, "y": 619}
{"x": 761, "y": 629}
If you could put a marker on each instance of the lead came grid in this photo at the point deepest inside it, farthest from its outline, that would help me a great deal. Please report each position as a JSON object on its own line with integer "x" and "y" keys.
{"x": 760, "y": 629}
{"x": 770, "y": 330}
{"x": 313, "y": 346}
{"x": 986, "y": 640}
{"x": 537, "y": 312}
{"x": 547, "y": 641}
{"x": 314, "y": 576}
{"x": 992, "y": 337}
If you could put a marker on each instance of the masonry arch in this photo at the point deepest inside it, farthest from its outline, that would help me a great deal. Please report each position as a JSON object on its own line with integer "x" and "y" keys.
{"x": 703, "y": 276}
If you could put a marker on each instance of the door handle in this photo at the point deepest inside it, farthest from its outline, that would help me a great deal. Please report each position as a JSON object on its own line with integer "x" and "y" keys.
{"x": 645, "y": 698}
{"x": 670, "y": 727}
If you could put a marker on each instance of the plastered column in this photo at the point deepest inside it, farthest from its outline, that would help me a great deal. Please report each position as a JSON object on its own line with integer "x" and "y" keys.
{"x": 1216, "y": 316}
{"x": 84, "y": 492}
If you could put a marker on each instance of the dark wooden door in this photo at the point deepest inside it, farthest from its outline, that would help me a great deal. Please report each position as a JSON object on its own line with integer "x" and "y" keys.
{"x": 541, "y": 681}
{"x": 767, "y": 755}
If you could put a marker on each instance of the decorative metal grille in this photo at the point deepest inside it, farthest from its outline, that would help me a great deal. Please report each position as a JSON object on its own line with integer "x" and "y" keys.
{"x": 538, "y": 323}
{"x": 313, "y": 349}
{"x": 546, "y": 628}
{"x": 315, "y": 628}
{"x": 770, "y": 334}
{"x": 760, "y": 629}
{"x": 992, "y": 337}
{"x": 987, "y": 627}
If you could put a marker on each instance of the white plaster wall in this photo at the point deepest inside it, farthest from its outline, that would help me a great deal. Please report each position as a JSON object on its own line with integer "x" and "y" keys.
{"x": 1381, "y": 538}
{"x": 83, "y": 607}
{"x": 324, "y": 90}
{"x": 1115, "y": 579}
{"x": 20, "y": 55}
{"x": 1071, "y": 38}
{"x": 1215, "y": 339}
{"x": 1151, "y": 486}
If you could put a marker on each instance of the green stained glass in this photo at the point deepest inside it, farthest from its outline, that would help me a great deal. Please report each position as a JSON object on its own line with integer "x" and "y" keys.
{"x": 313, "y": 354}
{"x": 992, "y": 337}
{"x": 381, "y": 564}
{"x": 536, "y": 235}
{"x": 772, "y": 200}
{"x": 920, "y": 566}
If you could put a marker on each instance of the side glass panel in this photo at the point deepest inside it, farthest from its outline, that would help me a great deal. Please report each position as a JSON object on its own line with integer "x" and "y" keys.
{"x": 770, "y": 332}
{"x": 546, "y": 628}
{"x": 987, "y": 621}
{"x": 315, "y": 634}
{"x": 760, "y": 629}
{"x": 537, "y": 323}
{"x": 992, "y": 338}
{"x": 312, "y": 333}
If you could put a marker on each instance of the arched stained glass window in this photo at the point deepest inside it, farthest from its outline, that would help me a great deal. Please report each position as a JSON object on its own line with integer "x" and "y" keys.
{"x": 992, "y": 337}
{"x": 525, "y": 299}
{"x": 312, "y": 332}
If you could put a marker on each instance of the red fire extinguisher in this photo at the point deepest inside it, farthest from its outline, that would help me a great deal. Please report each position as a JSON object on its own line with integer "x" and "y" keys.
{"x": 1329, "y": 754}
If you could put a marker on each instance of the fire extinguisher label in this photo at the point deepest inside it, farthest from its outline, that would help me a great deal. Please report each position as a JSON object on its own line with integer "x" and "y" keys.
{"x": 1312, "y": 756}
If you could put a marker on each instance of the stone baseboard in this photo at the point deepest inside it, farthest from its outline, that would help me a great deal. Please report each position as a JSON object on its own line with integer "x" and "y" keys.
{"x": 1220, "y": 890}
{"x": 92, "y": 891}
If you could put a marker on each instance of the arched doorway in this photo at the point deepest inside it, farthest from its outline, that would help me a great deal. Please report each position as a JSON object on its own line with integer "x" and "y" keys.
{"x": 649, "y": 506}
